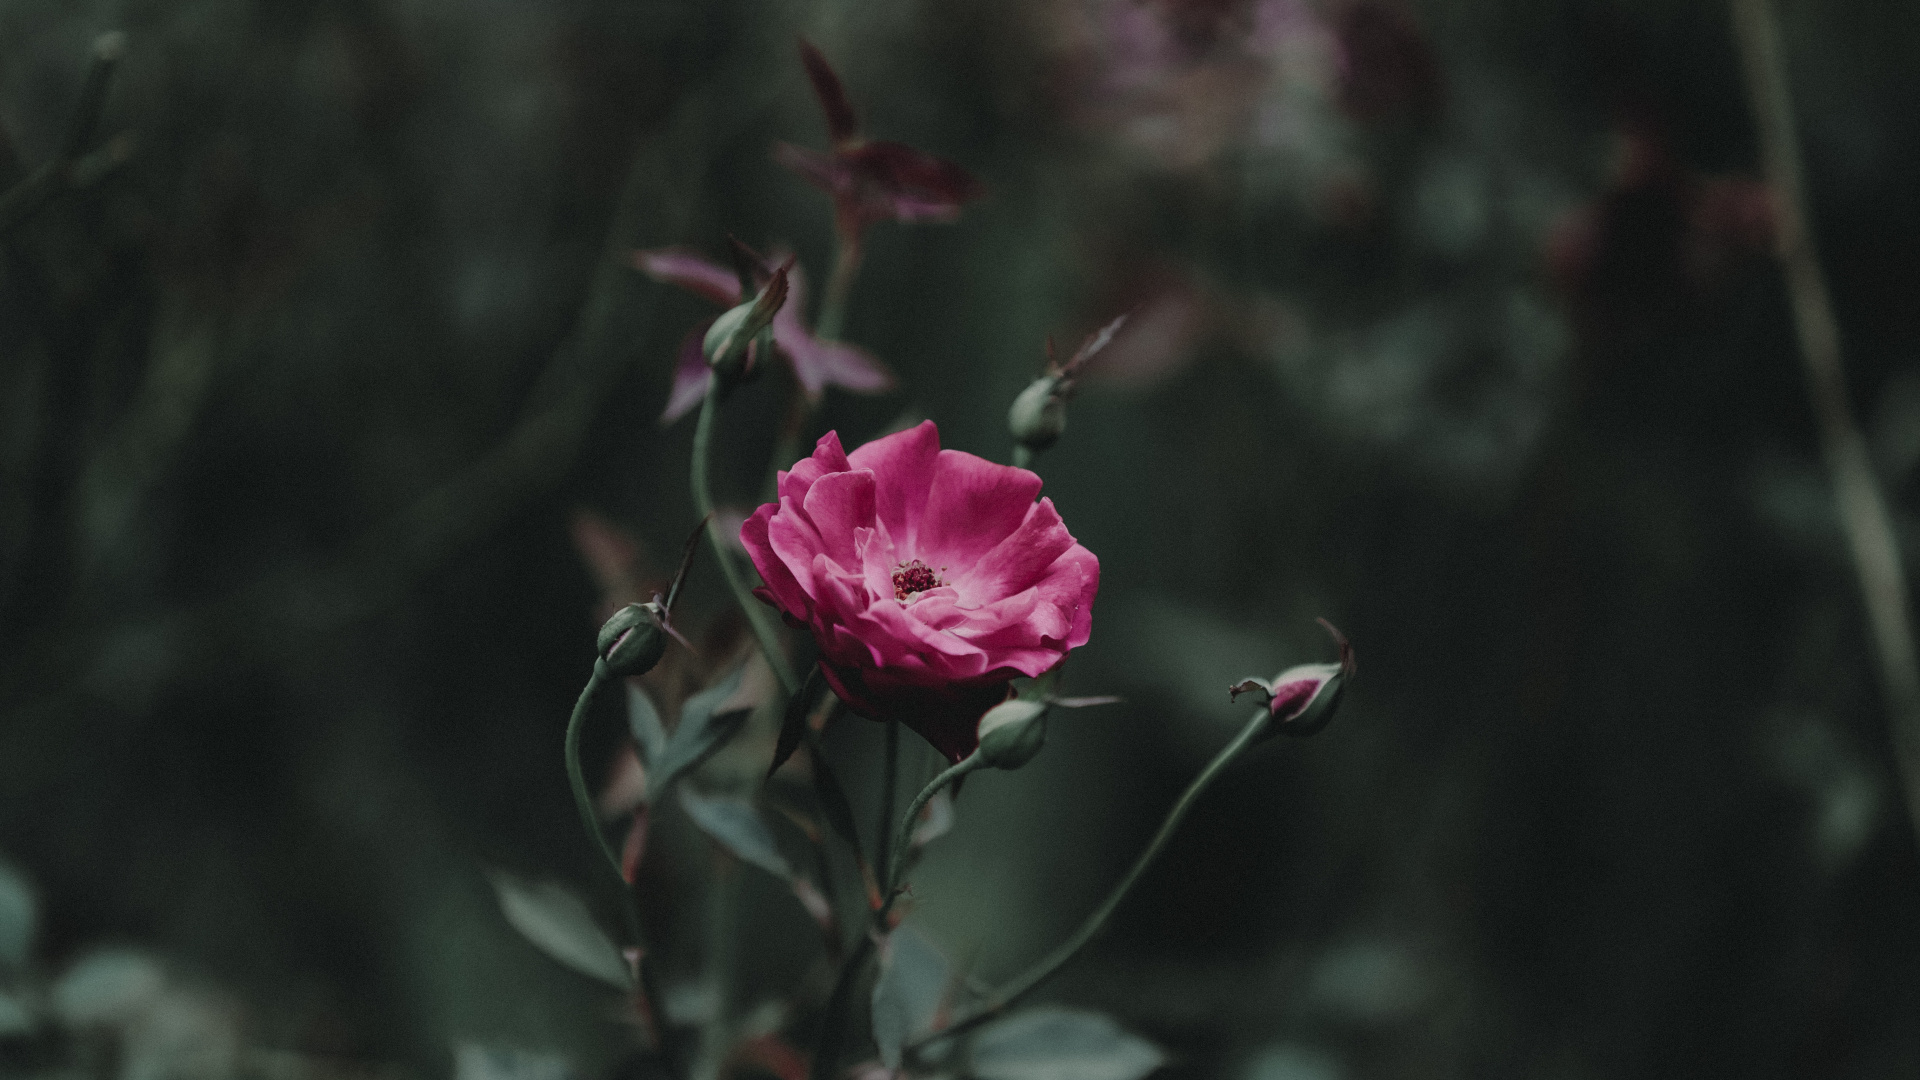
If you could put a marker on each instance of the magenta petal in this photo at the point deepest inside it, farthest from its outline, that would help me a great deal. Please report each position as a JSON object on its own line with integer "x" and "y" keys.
{"x": 839, "y": 504}
{"x": 1011, "y": 591}
{"x": 1021, "y": 559}
{"x": 691, "y": 376}
{"x": 678, "y": 266}
{"x": 972, "y": 505}
{"x": 902, "y": 465}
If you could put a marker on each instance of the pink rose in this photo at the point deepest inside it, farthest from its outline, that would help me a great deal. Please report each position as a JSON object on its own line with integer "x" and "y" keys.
{"x": 929, "y": 578}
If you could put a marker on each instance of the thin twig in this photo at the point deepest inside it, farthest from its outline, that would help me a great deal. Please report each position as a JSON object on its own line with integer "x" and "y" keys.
{"x": 1045, "y": 968}
{"x": 1862, "y": 507}
{"x": 72, "y": 166}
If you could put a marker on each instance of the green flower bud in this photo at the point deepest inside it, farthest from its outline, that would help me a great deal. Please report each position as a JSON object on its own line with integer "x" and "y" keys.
{"x": 1039, "y": 414}
{"x": 744, "y": 333}
{"x": 635, "y": 639}
{"x": 1012, "y": 732}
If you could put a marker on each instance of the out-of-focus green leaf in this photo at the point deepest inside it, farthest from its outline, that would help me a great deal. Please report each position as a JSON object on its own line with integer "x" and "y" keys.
{"x": 558, "y": 924}
{"x": 472, "y": 1061}
{"x": 106, "y": 987}
{"x": 18, "y": 913}
{"x": 833, "y": 801}
{"x": 913, "y": 976}
{"x": 15, "y": 1020}
{"x": 1051, "y": 1043}
{"x": 649, "y": 734}
{"x": 738, "y": 827}
{"x": 706, "y": 723}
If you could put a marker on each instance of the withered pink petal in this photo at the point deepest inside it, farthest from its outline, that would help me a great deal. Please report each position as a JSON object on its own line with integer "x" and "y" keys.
{"x": 819, "y": 364}
{"x": 843, "y": 123}
{"x": 919, "y": 183}
{"x": 824, "y": 171}
{"x": 691, "y": 376}
{"x": 692, "y": 272}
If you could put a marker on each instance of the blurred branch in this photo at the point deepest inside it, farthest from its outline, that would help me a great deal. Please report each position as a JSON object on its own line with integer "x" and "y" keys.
{"x": 1862, "y": 507}
{"x": 283, "y": 611}
{"x": 72, "y": 168}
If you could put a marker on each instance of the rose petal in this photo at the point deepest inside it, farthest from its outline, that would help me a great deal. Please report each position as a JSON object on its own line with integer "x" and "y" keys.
{"x": 692, "y": 272}
{"x": 903, "y": 466}
{"x": 972, "y": 505}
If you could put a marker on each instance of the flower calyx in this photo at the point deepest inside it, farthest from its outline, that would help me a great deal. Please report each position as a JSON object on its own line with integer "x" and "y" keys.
{"x": 1012, "y": 733}
{"x": 1038, "y": 415}
{"x": 1302, "y": 699}
{"x": 743, "y": 334}
{"x": 634, "y": 639}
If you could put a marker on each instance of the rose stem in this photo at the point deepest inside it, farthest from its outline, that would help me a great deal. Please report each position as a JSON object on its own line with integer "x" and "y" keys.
{"x": 1022, "y": 457}
{"x": 889, "y": 776}
{"x": 833, "y": 1026}
{"x": 756, "y": 612}
{"x": 1862, "y": 507}
{"x": 582, "y": 801}
{"x": 833, "y": 315}
{"x": 1018, "y": 987}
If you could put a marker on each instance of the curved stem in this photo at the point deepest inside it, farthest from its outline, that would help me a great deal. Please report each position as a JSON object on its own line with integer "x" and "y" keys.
{"x": 833, "y": 305}
{"x": 889, "y": 777}
{"x": 833, "y": 1026}
{"x": 1861, "y": 505}
{"x": 757, "y": 615}
{"x": 1020, "y": 985}
{"x": 644, "y": 992}
{"x": 582, "y": 800}
{"x": 897, "y": 854}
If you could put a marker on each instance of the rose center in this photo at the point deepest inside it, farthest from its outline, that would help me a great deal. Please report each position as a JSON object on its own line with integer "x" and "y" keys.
{"x": 914, "y": 577}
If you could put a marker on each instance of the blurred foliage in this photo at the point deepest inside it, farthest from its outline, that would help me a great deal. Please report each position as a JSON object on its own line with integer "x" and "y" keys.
{"x": 1451, "y": 322}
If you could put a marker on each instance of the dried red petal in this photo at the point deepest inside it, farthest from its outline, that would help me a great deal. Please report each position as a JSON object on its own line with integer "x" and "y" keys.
{"x": 843, "y": 124}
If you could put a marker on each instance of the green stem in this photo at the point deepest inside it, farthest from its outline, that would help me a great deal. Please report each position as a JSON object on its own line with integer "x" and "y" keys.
{"x": 897, "y": 857}
{"x": 1022, "y": 457}
{"x": 833, "y": 1025}
{"x": 889, "y": 777}
{"x": 833, "y": 305}
{"x": 1000, "y": 1000}
{"x": 582, "y": 800}
{"x": 757, "y": 615}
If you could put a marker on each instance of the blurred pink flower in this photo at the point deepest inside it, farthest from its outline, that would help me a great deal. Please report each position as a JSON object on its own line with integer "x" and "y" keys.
{"x": 929, "y": 578}
{"x": 871, "y": 180}
{"x": 816, "y": 364}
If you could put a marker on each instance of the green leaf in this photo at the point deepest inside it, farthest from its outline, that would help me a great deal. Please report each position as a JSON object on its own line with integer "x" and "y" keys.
{"x": 738, "y": 827}
{"x": 106, "y": 987}
{"x": 833, "y": 800}
{"x": 557, "y": 923}
{"x": 15, "y": 1020}
{"x": 793, "y": 727}
{"x": 913, "y": 978}
{"x": 18, "y": 914}
{"x": 649, "y": 734}
{"x": 1051, "y": 1043}
{"x": 704, "y": 728}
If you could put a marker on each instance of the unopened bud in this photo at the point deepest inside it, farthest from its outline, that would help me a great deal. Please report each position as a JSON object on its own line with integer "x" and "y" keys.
{"x": 1039, "y": 414}
{"x": 1302, "y": 699}
{"x": 744, "y": 333}
{"x": 635, "y": 639}
{"x": 1012, "y": 732}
